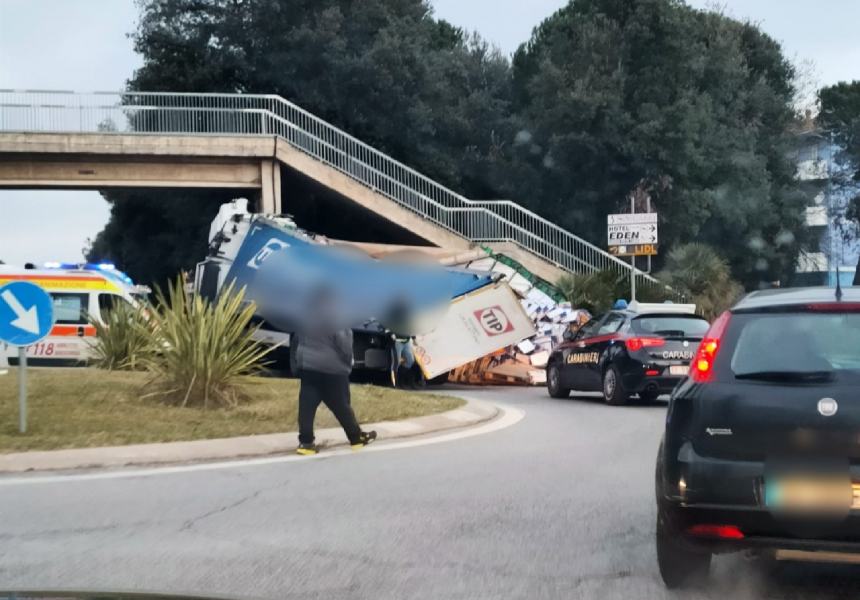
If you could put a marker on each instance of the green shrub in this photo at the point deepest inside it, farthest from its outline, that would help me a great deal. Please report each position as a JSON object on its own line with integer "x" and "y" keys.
{"x": 123, "y": 339}
{"x": 204, "y": 347}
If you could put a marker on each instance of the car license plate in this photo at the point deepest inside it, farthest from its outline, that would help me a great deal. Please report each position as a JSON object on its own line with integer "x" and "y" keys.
{"x": 805, "y": 494}
{"x": 678, "y": 370}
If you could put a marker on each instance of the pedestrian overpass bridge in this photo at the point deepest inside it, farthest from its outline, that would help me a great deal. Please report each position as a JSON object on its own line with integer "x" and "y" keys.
{"x": 53, "y": 140}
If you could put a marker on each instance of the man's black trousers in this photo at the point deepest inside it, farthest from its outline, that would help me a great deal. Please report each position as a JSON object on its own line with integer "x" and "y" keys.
{"x": 331, "y": 390}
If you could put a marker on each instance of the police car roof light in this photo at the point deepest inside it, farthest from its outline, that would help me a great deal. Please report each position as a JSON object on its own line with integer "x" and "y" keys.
{"x": 649, "y": 307}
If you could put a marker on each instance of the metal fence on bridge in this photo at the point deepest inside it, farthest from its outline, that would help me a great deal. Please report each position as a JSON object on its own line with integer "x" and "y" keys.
{"x": 266, "y": 114}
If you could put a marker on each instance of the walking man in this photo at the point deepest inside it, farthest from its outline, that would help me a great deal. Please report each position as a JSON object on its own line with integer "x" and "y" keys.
{"x": 324, "y": 362}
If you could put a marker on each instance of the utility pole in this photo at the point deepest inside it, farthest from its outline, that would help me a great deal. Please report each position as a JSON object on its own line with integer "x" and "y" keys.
{"x": 828, "y": 204}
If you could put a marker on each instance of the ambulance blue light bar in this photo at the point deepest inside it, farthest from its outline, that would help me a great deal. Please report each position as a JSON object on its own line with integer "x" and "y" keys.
{"x": 108, "y": 269}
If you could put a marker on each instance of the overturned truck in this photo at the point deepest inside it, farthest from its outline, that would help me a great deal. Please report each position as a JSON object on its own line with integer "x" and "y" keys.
{"x": 451, "y": 316}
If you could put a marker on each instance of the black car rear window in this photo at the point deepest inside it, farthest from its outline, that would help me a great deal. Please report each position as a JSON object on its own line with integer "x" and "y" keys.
{"x": 671, "y": 325}
{"x": 797, "y": 343}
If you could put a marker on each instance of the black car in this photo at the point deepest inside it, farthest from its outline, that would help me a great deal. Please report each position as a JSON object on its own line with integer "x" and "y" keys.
{"x": 762, "y": 442}
{"x": 643, "y": 350}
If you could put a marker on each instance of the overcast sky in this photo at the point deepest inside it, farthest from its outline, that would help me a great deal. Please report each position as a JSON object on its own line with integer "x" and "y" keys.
{"x": 82, "y": 45}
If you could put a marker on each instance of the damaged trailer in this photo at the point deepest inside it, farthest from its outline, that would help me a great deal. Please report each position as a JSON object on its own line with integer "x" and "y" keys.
{"x": 279, "y": 266}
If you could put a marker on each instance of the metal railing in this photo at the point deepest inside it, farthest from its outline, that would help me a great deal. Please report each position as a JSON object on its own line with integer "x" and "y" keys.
{"x": 268, "y": 114}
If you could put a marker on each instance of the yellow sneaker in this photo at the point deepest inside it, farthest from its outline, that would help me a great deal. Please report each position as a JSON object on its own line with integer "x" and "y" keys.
{"x": 366, "y": 438}
{"x": 307, "y": 449}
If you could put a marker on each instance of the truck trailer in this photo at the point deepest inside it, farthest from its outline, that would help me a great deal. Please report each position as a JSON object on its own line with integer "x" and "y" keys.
{"x": 279, "y": 265}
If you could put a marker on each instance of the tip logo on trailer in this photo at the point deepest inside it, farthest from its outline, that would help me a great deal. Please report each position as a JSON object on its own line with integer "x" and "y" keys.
{"x": 494, "y": 321}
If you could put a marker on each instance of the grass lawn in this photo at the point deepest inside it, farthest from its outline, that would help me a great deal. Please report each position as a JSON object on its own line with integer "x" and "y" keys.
{"x": 76, "y": 408}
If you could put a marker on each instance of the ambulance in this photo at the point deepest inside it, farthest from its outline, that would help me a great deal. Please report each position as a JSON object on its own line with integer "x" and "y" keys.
{"x": 78, "y": 292}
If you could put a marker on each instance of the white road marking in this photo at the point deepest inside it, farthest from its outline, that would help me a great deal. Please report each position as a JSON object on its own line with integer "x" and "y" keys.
{"x": 509, "y": 416}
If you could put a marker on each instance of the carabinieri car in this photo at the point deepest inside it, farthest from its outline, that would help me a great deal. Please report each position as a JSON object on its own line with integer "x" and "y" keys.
{"x": 644, "y": 349}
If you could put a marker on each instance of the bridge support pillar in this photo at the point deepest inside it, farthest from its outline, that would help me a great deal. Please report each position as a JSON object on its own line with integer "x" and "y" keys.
{"x": 270, "y": 189}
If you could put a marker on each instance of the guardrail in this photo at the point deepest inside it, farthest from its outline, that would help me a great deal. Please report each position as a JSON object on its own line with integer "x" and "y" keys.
{"x": 268, "y": 114}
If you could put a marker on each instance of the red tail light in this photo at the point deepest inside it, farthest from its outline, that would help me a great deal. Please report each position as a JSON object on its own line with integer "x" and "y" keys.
{"x": 637, "y": 343}
{"x": 702, "y": 367}
{"x": 724, "y": 532}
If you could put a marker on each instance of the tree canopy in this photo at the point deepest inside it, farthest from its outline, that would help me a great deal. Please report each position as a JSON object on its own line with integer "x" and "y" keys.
{"x": 608, "y": 99}
{"x": 840, "y": 117}
{"x": 840, "y": 114}
{"x": 386, "y": 71}
{"x": 689, "y": 107}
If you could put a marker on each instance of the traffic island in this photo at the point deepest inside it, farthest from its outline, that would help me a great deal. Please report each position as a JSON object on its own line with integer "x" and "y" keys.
{"x": 89, "y": 418}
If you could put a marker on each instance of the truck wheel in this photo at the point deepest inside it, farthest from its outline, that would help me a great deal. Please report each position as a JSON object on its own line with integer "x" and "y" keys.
{"x": 553, "y": 383}
{"x": 680, "y": 567}
{"x": 613, "y": 387}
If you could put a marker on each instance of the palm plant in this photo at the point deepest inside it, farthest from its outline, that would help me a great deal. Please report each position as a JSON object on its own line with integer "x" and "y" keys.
{"x": 702, "y": 275}
{"x": 123, "y": 338}
{"x": 204, "y": 347}
{"x": 597, "y": 291}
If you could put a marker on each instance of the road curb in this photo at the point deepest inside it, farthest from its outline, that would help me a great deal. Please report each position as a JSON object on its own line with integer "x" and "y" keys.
{"x": 474, "y": 413}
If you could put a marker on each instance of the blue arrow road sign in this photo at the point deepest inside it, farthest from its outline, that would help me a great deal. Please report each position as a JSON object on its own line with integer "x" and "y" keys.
{"x": 26, "y": 313}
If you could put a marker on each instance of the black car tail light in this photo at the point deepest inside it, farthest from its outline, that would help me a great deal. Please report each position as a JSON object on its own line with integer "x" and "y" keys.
{"x": 702, "y": 367}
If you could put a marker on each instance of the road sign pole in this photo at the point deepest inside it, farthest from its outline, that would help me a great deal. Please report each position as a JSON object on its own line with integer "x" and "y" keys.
{"x": 26, "y": 318}
{"x": 22, "y": 389}
{"x": 648, "y": 209}
{"x": 633, "y": 279}
{"x": 632, "y": 259}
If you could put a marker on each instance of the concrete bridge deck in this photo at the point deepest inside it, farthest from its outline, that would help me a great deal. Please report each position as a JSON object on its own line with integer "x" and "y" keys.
{"x": 246, "y": 163}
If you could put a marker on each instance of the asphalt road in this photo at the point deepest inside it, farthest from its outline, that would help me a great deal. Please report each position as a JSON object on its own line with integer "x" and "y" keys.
{"x": 559, "y": 505}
